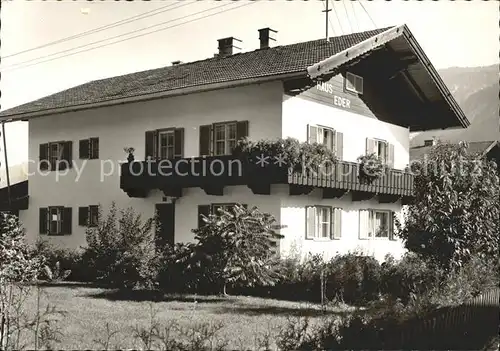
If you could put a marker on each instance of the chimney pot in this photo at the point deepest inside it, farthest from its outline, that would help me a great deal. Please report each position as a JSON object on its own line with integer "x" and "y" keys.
{"x": 265, "y": 35}
{"x": 226, "y": 46}
{"x": 175, "y": 63}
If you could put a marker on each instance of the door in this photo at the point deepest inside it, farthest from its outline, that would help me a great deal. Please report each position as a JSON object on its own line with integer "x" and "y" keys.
{"x": 166, "y": 220}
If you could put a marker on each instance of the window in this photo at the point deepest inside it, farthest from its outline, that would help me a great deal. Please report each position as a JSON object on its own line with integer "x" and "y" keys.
{"x": 376, "y": 224}
{"x": 165, "y": 143}
{"x": 56, "y": 155}
{"x": 353, "y": 83}
{"x": 381, "y": 148}
{"x": 89, "y": 149}
{"x": 323, "y": 222}
{"x": 206, "y": 210}
{"x": 327, "y": 136}
{"x": 55, "y": 220}
{"x": 88, "y": 216}
{"x": 220, "y": 138}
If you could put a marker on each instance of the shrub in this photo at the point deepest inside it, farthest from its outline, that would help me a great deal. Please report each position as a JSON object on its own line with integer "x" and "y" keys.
{"x": 370, "y": 167}
{"x": 69, "y": 260}
{"x": 455, "y": 212}
{"x": 235, "y": 248}
{"x": 120, "y": 251}
{"x": 354, "y": 278}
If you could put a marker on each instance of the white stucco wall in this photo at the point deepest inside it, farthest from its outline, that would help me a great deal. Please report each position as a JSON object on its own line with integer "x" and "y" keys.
{"x": 299, "y": 112}
{"x": 125, "y": 126}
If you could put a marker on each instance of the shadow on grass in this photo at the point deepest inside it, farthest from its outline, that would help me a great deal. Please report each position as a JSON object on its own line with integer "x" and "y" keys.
{"x": 152, "y": 296}
{"x": 275, "y": 310}
{"x": 71, "y": 285}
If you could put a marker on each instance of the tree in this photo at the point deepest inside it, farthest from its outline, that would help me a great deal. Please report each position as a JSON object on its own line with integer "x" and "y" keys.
{"x": 237, "y": 247}
{"x": 455, "y": 214}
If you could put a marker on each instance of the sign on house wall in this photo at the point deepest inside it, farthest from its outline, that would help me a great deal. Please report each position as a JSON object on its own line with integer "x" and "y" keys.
{"x": 329, "y": 88}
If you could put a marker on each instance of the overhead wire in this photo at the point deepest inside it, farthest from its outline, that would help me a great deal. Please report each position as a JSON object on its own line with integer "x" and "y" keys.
{"x": 10, "y": 68}
{"x": 138, "y": 17}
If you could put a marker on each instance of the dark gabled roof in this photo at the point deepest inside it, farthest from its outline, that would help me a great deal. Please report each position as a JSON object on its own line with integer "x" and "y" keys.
{"x": 474, "y": 148}
{"x": 274, "y": 61}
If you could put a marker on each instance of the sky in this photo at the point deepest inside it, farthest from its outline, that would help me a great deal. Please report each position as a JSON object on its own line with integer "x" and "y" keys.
{"x": 452, "y": 34}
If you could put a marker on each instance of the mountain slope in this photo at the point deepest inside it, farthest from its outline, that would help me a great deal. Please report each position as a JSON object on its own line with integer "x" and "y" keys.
{"x": 476, "y": 90}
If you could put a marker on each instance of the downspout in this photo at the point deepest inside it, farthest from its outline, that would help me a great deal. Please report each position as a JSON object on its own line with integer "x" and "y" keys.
{"x": 6, "y": 165}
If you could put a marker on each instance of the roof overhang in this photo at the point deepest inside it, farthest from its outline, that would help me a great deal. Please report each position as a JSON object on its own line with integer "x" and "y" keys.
{"x": 19, "y": 198}
{"x": 394, "y": 59}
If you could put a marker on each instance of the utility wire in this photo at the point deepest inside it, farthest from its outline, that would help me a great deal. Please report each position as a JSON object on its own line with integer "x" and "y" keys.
{"x": 106, "y": 39}
{"x": 337, "y": 16}
{"x": 355, "y": 17}
{"x": 138, "y": 17}
{"x": 140, "y": 35}
{"x": 361, "y": 3}
{"x": 347, "y": 15}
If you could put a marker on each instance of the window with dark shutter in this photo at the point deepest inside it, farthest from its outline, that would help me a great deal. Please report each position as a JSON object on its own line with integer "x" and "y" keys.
{"x": 203, "y": 210}
{"x": 241, "y": 129}
{"x": 67, "y": 216}
{"x": 83, "y": 216}
{"x": 205, "y": 140}
{"x": 66, "y": 160}
{"x": 43, "y": 220}
{"x": 179, "y": 142}
{"x": 151, "y": 144}
{"x": 94, "y": 148}
{"x": 93, "y": 216}
{"x": 44, "y": 157}
{"x": 84, "y": 149}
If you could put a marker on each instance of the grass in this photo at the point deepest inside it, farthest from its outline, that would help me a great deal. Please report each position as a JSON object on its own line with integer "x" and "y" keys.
{"x": 247, "y": 321}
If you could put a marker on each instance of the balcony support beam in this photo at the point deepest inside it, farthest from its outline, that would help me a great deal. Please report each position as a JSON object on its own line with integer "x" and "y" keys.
{"x": 210, "y": 189}
{"x": 329, "y": 193}
{"x": 294, "y": 189}
{"x": 388, "y": 199}
{"x": 260, "y": 188}
{"x": 362, "y": 195}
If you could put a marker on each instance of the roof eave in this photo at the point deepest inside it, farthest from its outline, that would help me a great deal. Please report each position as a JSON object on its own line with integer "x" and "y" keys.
{"x": 330, "y": 64}
{"x": 153, "y": 96}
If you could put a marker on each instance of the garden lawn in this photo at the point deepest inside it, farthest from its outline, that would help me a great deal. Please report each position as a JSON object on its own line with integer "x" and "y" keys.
{"x": 247, "y": 321}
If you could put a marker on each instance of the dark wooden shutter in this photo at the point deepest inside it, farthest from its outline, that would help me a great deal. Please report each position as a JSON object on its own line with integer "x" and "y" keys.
{"x": 339, "y": 145}
{"x": 67, "y": 155}
{"x": 241, "y": 129}
{"x": 312, "y": 134}
{"x": 44, "y": 157}
{"x": 43, "y": 220}
{"x": 205, "y": 140}
{"x": 94, "y": 148}
{"x": 67, "y": 216}
{"x": 150, "y": 144}
{"x": 84, "y": 149}
{"x": 179, "y": 142}
{"x": 93, "y": 213}
{"x": 202, "y": 210}
{"x": 83, "y": 216}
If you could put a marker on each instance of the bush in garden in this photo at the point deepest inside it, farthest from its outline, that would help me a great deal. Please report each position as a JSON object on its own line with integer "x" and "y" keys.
{"x": 121, "y": 250}
{"x": 455, "y": 212}
{"x": 235, "y": 248}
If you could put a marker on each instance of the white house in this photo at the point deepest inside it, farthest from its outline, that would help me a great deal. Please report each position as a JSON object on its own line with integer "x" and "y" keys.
{"x": 358, "y": 93}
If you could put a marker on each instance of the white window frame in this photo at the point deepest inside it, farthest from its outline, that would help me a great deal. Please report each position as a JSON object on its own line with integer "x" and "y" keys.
{"x": 58, "y": 212}
{"x": 385, "y": 156}
{"x": 57, "y": 156}
{"x": 353, "y": 83}
{"x": 229, "y": 143}
{"x": 371, "y": 225}
{"x": 318, "y": 223}
{"x": 320, "y": 137}
{"x": 169, "y": 149}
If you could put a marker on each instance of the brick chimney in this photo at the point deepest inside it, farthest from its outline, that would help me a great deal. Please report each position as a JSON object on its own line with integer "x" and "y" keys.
{"x": 265, "y": 35}
{"x": 226, "y": 46}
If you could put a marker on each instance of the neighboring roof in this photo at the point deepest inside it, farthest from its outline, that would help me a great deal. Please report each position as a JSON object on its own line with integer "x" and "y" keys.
{"x": 476, "y": 147}
{"x": 18, "y": 197}
{"x": 255, "y": 64}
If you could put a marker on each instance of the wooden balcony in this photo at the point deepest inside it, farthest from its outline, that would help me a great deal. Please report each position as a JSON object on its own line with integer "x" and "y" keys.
{"x": 212, "y": 174}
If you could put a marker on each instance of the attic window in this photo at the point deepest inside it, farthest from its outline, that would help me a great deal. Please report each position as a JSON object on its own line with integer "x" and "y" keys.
{"x": 353, "y": 83}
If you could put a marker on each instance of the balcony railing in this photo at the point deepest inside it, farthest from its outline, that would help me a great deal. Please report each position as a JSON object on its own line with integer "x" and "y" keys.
{"x": 209, "y": 172}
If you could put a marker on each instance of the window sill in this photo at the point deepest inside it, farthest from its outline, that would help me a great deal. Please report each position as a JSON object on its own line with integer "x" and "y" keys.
{"x": 322, "y": 240}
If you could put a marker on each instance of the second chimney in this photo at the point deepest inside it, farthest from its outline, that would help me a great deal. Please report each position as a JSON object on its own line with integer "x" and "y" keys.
{"x": 265, "y": 35}
{"x": 226, "y": 46}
